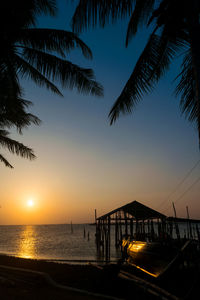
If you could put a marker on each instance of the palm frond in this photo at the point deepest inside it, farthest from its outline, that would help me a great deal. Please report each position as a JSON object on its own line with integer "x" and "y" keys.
{"x": 100, "y": 12}
{"x": 186, "y": 89}
{"x": 15, "y": 147}
{"x": 12, "y": 106}
{"x": 151, "y": 65}
{"x": 160, "y": 12}
{"x": 19, "y": 119}
{"x": 194, "y": 38}
{"x": 4, "y": 160}
{"x": 60, "y": 41}
{"x": 24, "y": 13}
{"x": 141, "y": 13}
{"x": 9, "y": 82}
{"x": 26, "y": 70}
{"x": 70, "y": 75}
{"x": 46, "y": 7}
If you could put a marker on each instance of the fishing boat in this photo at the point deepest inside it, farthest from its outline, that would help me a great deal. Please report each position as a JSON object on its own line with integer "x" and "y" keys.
{"x": 157, "y": 258}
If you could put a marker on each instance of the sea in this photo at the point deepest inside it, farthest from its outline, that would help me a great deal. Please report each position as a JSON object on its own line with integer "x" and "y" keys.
{"x": 62, "y": 243}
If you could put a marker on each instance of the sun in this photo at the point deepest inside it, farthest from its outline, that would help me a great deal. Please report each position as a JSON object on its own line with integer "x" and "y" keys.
{"x": 30, "y": 203}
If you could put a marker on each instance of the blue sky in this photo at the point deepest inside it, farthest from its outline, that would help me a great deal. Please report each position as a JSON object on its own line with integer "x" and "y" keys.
{"x": 84, "y": 163}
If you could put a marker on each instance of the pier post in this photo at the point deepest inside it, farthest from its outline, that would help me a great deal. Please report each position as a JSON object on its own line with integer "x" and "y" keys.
{"x": 148, "y": 229}
{"x": 175, "y": 223}
{"x": 131, "y": 228}
{"x": 71, "y": 228}
{"x": 136, "y": 228}
{"x": 152, "y": 231}
{"x": 116, "y": 232}
{"x": 109, "y": 238}
{"x": 84, "y": 232}
{"x": 189, "y": 224}
{"x": 198, "y": 233}
{"x": 126, "y": 225}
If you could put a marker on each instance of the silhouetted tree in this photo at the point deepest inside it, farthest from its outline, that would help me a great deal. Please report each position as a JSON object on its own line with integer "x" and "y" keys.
{"x": 13, "y": 107}
{"x": 38, "y": 54}
{"x": 13, "y": 114}
{"x": 29, "y": 52}
{"x": 175, "y": 28}
{"x": 14, "y": 147}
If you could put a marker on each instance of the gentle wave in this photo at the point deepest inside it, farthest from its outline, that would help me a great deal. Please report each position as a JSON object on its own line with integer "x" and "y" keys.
{"x": 51, "y": 242}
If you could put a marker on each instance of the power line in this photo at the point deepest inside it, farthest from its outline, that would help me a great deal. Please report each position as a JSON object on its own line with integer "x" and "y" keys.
{"x": 193, "y": 184}
{"x": 180, "y": 183}
{"x": 185, "y": 192}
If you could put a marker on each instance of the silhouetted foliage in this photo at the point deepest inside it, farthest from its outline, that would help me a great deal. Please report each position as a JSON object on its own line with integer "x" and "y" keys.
{"x": 175, "y": 30}
{"x": 13, "y": 113}
{"x": 38, "y": 54}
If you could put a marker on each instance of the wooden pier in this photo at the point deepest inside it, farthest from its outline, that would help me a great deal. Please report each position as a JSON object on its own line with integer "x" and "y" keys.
{"x": 138, "y": 222}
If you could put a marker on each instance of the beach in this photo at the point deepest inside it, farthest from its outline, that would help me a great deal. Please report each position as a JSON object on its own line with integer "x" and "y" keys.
{"x": 30, "y": 279}
{"x": 17, "y": 281}
{"x": 39, "y": 262}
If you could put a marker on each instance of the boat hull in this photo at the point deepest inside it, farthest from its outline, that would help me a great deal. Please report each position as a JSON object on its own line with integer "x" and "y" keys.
{"x": 153, "y": 258}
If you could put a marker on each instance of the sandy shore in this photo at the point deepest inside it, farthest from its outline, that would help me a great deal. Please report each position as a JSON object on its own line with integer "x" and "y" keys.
{"x": 35, "y": 279}
{"x": 15, "y": 284}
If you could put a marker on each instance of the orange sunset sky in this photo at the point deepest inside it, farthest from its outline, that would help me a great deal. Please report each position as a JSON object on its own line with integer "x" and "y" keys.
{"x": 83, "y": 163}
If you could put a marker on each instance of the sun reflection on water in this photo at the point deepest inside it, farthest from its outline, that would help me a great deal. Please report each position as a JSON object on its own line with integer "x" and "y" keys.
{"x": 27, "y": 246}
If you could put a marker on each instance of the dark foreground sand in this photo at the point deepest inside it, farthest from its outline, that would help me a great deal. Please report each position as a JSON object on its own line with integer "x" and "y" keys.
{"x": 34, "y": 279}
{"x": 16, "y": 284}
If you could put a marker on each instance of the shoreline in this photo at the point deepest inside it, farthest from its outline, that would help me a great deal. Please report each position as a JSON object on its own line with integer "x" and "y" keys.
{"x": 63, "y": 260}
{"x": 88, "y": 278}
{"x": 80, "y": 281}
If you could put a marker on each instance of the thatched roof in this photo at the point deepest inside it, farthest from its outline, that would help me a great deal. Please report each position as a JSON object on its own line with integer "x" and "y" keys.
{"x": 137, "y": 210}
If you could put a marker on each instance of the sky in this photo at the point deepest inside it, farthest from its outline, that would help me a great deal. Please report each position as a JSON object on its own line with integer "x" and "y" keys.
{"x": 82, "y": 162}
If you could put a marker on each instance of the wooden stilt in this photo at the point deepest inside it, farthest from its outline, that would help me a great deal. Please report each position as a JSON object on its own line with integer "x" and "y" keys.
{"x": 189, "y": 224}
{"x": 84, "y": 232}
{"x": 109, "y": 238}
{"x": 126, "y": 225}
{"x": 72, "y": 228}
{"x": 131, "y": 228}
{"x": 175, "y": 223}
{"x": 116, "y": 232}
{"x": 198, "y": 233}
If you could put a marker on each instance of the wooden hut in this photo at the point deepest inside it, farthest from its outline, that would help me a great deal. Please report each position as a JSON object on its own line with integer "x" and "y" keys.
{"x": 133, "y": 219}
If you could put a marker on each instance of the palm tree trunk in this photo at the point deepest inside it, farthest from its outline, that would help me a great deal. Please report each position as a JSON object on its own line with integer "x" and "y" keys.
{"x": 194, "y": 33}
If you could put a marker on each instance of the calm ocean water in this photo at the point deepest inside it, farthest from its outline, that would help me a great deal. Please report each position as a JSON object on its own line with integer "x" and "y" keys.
{"x": 50, "y": 242}
{"x": 56, "y": 242}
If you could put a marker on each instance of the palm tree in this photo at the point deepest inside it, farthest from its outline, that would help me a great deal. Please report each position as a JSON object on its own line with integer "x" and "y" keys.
{"x": 13, "y": 107}
{"x": 175, "y": 30}
{"x": 29, "y": 52}
{"x": 14, "y": 147}
{"x": 13, "y": 114}
{"x": 38, "y": 54}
